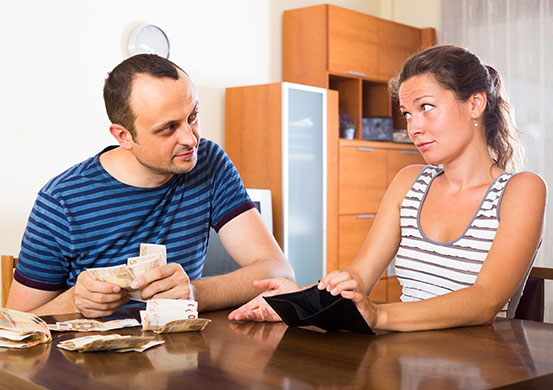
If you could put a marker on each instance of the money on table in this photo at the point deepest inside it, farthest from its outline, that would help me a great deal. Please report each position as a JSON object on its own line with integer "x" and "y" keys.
{"x": 88, "y": 325}
{"x": 172, "y": 316}
{"x": 114, "y": 342}
{"x": 22, "y": 330}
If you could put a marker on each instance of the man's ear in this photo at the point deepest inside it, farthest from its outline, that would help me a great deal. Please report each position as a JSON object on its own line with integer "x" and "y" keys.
{"x": 478, "y": 104}
{"x": 122, "y": 135}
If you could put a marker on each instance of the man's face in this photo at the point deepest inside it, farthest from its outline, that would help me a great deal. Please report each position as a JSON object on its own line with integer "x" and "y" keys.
{"x": 167, "y": 124}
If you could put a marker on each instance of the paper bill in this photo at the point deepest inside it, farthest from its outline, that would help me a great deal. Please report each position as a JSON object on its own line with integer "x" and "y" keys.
{"x": 21, "y": 330}
{"x": 151, "y": 256}
{"x": 153, "y": 249}
{"x": 120, "y": 275}
{"x": 187, "y": 325}
{"x": 109, "y": 343}
{"x": 87, "y": 325}
{"x": 172, "y": 315}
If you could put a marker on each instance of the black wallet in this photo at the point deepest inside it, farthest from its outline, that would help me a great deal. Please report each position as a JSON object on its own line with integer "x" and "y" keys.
{"x": 319, "y": 308}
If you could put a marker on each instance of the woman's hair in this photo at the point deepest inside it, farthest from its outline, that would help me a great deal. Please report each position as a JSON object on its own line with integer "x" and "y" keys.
{"x": 461, "y": 72}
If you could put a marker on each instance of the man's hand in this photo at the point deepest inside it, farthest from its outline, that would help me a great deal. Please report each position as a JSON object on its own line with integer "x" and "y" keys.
{"x": 168, "y": 281}
{"x": 342, "y": 283}
{"x": 94, "y": 298}
{"x": 258, "y": 309}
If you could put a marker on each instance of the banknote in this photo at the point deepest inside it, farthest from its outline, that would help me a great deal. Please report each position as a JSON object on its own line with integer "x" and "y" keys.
{"x": 151, "y": 256}
{"x": 88, "y": 325}
{"x": 186, "y": 325}
{"x": 112, "y": 342}
{"x": 22, "y": 330}
{"x": 153, "y": 249}
{"x": 120, "y": 275}
{"x": 172, "y": 315}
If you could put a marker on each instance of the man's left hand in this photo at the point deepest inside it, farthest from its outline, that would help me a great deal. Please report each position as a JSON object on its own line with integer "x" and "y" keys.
{"x": 166, "y": 282}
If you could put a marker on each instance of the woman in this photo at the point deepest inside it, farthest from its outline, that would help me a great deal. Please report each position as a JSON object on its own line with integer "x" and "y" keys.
{"x": 465, "y": 230}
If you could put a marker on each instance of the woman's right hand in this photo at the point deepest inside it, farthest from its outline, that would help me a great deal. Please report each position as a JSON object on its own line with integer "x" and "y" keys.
{"x": 258, "y": 309}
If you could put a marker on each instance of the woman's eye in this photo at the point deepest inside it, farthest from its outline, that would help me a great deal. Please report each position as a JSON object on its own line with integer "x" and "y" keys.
{"x": 427, "y": 107}
{"x": 406, "y": 115}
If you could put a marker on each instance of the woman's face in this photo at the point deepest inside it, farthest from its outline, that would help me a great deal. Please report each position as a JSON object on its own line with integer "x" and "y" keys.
{"x": 438, "y": 124}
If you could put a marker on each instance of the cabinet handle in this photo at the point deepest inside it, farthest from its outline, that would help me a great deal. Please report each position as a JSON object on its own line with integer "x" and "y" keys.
{"x": 409, "y": 151}
{"x": 356, "y": 73}
{"x": 365, "y": 149}
{"x": 365, "y": 216}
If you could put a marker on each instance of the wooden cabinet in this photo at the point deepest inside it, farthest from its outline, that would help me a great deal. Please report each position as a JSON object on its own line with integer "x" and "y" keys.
{"x": 352, "y": 42}
{"x": 284, "y": 137}
{"x": 353, "y": 53}
{"x": 365, "y": 171}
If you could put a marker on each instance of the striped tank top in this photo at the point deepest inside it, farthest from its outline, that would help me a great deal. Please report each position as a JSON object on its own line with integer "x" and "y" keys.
{"x": 426, "y": 268}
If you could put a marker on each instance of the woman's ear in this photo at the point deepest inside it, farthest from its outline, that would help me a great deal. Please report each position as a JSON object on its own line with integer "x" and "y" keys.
{"x": 478, "y": 103}
{"x": 122, "y": 135}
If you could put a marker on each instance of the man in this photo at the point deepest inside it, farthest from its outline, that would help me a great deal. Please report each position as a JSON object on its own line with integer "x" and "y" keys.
{"x": 162, "y": 184}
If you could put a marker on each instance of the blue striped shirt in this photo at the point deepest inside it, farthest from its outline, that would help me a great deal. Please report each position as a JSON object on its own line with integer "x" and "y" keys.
{"x": 85, "y": 218}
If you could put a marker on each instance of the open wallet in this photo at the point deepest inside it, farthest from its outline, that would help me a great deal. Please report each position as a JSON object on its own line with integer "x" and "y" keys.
{"x": 319, "y": 308}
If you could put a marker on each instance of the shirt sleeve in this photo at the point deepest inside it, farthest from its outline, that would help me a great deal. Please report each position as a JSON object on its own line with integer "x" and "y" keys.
{"x": 45, "y": 246}
{"x": 228, "y": 194}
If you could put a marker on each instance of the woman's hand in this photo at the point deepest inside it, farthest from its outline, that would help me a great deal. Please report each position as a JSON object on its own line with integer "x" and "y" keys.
{"x": 342, "y": 283}
{"x": 258, "y": 309}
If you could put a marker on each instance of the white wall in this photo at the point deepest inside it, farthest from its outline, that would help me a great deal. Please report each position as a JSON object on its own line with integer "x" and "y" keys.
{"x": 57, "y": 53}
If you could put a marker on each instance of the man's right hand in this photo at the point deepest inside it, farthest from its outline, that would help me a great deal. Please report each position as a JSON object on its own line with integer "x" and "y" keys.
{"x": 258, "y": 309}
{"x": 94, "y": 298}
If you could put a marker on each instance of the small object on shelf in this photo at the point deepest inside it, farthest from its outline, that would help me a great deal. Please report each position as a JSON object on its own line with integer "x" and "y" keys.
{"x": 347, "y": 126}
{"x": 377, "y": 128}
{"x": 401, "y": 136}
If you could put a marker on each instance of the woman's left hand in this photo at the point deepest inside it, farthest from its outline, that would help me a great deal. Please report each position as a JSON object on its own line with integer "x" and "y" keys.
{"x": 342, "y": 283}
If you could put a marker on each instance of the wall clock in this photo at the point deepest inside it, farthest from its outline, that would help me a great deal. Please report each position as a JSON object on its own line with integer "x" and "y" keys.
{"x": 149, "y": 39}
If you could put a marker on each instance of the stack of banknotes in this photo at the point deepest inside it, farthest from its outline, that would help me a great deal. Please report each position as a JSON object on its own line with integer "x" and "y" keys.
{"x": 151, "y": 256}
{"x": 22, "y": 330}
{"x": 171, "y": 316}
{"x": 88, "y": 325}
{"x": 113, "y": 342}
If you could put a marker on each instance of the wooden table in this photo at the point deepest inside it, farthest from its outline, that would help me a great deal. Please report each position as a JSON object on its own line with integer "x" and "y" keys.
{"x": 227, "y": 355}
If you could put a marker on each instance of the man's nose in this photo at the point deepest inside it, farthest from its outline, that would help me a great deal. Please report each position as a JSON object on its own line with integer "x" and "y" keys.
{"x": 187, "y": 136}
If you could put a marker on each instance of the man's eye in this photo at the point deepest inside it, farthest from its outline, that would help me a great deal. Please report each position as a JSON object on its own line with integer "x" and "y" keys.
{"x": 192, "y": 118}
{"x": 427, "y": 107}
{"x": 406, "y": 115}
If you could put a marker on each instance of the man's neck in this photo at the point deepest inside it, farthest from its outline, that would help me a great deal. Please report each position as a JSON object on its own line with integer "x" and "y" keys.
{"x": 123, "y": 167}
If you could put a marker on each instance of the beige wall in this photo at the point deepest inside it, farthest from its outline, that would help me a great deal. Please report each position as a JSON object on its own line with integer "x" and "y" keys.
{"x": 56, "y": 54}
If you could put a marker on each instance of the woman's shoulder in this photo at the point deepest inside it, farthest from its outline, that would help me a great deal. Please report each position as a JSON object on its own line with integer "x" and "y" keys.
{"x": 524, "y": 182}
{"x": 407, "y": 176}
{"x": 525, "y": 190}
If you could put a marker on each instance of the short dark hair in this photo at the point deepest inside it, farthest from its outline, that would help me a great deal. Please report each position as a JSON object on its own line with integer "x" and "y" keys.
{"x": 118, "y": 85}
{"x": 461, "y": 72}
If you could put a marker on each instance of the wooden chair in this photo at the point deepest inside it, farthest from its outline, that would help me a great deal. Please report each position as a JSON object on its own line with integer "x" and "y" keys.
{"x": 532, "y": 302}
{"x": 8, "y": 265}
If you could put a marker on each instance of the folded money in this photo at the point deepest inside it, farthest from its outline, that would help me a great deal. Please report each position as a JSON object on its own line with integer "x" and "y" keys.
{"x": 171, "y": 316}
{"x": 151, "y": 256}
{"x": 87, "y": 325}
{"x": 22, "y": 330}
{"x": 114, "y": 342}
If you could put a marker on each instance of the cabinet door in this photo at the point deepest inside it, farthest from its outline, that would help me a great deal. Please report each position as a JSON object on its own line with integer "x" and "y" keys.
{"x": 396, "y": 43}
{"x": 352, "y": 42}
{"x": 352, "y": 231}
{"x": 400, "y": 158}
{"x": 362, "y": 179}
{"x": 304, "y": 181}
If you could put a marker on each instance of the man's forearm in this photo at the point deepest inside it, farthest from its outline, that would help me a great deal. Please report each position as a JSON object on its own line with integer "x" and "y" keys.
{"x": 235, "y": 288}
{"x": 64, "y": 303}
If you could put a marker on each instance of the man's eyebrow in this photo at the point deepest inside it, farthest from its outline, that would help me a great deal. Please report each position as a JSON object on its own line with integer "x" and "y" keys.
{"x": 164, "y": 125}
